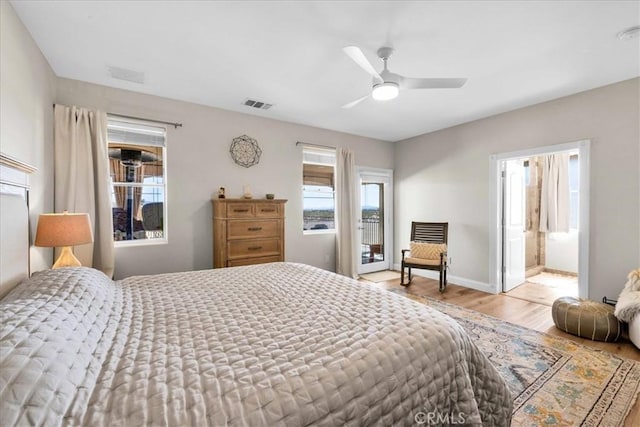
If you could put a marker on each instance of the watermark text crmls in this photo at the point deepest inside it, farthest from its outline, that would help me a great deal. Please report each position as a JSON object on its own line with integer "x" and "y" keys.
{"x": 439, "y": 418}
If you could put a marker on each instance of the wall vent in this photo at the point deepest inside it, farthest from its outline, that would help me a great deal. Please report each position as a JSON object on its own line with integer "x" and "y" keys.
{"x": 257, "y": 104}
{"x": 128, "y": 75}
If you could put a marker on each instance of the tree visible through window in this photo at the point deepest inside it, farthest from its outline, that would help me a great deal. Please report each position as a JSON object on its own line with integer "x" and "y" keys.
{"x": 318, "y": 189}
{"x": 138, "y": 176}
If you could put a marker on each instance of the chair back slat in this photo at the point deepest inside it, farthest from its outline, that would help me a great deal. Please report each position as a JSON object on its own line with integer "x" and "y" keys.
{"x": 429, "y": 232}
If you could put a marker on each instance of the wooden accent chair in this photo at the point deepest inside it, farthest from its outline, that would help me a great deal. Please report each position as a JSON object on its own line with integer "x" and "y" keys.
{"x": 429, "y": 250}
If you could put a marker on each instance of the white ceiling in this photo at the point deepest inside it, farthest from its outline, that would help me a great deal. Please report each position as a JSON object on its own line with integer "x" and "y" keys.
{"x": 290, "y": 54}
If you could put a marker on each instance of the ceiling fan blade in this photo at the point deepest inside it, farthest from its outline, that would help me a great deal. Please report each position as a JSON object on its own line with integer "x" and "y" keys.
{"x": 356, "y": 102}
{"x": 358, "y": 57}
{"x": 432, "y": 83}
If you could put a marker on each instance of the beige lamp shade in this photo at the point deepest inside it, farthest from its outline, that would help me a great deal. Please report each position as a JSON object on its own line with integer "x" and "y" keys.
{"x": 64, "y": 230}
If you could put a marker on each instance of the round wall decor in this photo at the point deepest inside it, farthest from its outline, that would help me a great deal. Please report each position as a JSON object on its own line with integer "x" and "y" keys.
{"x": 245, "y": 151}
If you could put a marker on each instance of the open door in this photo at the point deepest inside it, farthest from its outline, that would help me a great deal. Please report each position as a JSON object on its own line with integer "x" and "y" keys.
{"x": 374, "y": 221}
{"x": 513, "y": 266}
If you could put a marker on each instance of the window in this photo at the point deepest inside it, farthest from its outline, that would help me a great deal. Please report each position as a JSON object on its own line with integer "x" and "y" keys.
{"x": 318, "y": 189}
{"x": 574, "y": 187}
{"x": 138, "y": 176}
{"x": 527, "y": 173}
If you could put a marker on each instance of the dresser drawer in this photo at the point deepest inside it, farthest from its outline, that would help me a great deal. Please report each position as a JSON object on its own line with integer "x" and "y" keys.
{"x": 268, "y": 210}
{"x": 241, "y": 210}
{"x": 252, "y": 229}
{"x": 251, "y": 261}
{"x": 254, "y": 248}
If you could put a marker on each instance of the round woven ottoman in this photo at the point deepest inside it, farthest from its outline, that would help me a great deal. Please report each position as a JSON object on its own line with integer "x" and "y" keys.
{"x": 586, "y": 319}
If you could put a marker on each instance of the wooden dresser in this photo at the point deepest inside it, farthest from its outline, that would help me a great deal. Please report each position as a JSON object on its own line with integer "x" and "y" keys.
{"x": 247, "y": 231}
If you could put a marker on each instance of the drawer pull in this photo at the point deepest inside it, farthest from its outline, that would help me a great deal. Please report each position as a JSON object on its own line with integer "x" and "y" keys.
{"x": 267, "y": 210}
{"x": 254, "y": 228}
{"x": 254, "y": 248}
{"x": 241, "y": 210}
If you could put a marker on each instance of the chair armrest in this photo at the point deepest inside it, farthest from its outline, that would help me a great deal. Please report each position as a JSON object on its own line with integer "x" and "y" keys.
{"x": 443, "y": 257}
{"x": 404, "y": 251}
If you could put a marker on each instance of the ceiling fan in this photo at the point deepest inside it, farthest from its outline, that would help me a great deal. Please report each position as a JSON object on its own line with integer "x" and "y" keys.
{"x": 387, "y": 85}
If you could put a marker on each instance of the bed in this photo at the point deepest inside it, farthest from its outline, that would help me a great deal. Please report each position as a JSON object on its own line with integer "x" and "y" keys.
{"x": 272, "y": 344}
{"x": 14, "y": 221}
{"x": 627, "y": 308}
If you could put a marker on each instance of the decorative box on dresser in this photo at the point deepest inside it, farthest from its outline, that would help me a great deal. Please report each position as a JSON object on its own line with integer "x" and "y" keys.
{"x": 247, "y": 231}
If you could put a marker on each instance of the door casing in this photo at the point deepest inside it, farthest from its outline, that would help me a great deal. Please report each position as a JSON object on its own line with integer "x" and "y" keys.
{"x": 496, "y": 200}
{"x": 387, "y": 175}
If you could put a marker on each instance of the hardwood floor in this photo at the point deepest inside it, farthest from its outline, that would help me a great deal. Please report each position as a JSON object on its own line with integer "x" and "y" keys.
{"x": 541, "y": 294}
{"x": 524, "y": 313}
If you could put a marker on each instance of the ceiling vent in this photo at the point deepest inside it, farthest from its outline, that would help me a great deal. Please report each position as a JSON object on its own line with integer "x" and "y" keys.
{"x": 257, "y": 104}
{"x": 128, "y": 75}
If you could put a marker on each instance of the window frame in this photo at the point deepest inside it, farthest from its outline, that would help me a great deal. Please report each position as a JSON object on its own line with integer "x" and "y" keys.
{"x": 164, "y": 186}
{"x": 333, "y": 154}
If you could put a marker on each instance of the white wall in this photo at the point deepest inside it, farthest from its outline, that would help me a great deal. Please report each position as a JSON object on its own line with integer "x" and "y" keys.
{"x": 561, "y": 251}
{"x": 444, "y": 176}
{"x": 27, "y": 84}
{"x": 199, "y": 163}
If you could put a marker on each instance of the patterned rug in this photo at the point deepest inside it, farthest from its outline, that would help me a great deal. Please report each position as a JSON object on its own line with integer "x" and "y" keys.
{"x": 553, "y": 381}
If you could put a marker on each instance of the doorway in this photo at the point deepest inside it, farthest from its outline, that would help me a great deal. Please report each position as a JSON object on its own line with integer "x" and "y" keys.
{"x": 530, "y": 261}
{"x": 375, "y": 219}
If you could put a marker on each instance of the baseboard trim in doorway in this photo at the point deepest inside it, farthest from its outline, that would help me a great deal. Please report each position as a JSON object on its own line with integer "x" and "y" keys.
{"x": 561, "y": 272}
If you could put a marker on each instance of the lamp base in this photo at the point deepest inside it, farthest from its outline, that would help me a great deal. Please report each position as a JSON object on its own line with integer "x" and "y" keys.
{"x": 67, "y": 259}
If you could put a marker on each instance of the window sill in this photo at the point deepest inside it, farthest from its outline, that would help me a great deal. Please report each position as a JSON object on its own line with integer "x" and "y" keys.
{"x": 314, "y": 232}
{"x": 139, "y": 242}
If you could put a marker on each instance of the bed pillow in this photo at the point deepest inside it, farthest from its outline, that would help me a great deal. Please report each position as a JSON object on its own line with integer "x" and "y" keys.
{"x": 427, "y": 250}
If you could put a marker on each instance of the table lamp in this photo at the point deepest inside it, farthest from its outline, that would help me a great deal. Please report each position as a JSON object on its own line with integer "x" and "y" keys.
{"x": 64, "y": 230}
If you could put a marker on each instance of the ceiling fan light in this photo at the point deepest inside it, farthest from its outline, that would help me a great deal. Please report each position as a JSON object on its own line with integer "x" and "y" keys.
{"x": 385, "y": 91}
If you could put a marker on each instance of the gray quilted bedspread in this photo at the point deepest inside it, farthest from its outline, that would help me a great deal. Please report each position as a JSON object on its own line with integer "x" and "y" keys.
{"x": 267, "y": 345}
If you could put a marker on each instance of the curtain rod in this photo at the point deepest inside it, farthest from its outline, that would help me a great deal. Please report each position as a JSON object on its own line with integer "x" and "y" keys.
{"x": 175, "y": 125}
{"x": 314, "y": 145}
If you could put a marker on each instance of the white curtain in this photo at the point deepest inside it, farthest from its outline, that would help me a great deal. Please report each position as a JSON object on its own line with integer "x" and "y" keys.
{"x": 554, "y": 198}
{"x": 346, "y": 214}
{"x": 81, "y": 183}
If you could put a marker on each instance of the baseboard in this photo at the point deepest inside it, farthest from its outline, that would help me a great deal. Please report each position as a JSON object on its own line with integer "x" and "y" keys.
{"x": 562, "y": 272}
{"x": 467, "y": 283}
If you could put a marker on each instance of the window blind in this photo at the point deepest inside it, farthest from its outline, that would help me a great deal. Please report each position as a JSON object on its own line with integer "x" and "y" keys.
{"x": 318, "y": 166}
{"x": 135, "y": 133}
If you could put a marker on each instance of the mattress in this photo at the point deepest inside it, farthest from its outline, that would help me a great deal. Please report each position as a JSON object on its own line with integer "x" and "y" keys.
{"x": 279, "y": 344}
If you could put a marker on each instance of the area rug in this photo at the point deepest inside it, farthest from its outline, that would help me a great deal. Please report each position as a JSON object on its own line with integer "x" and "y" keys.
{"x": 553, "y": 381}
{"x": 381, "y": 276}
